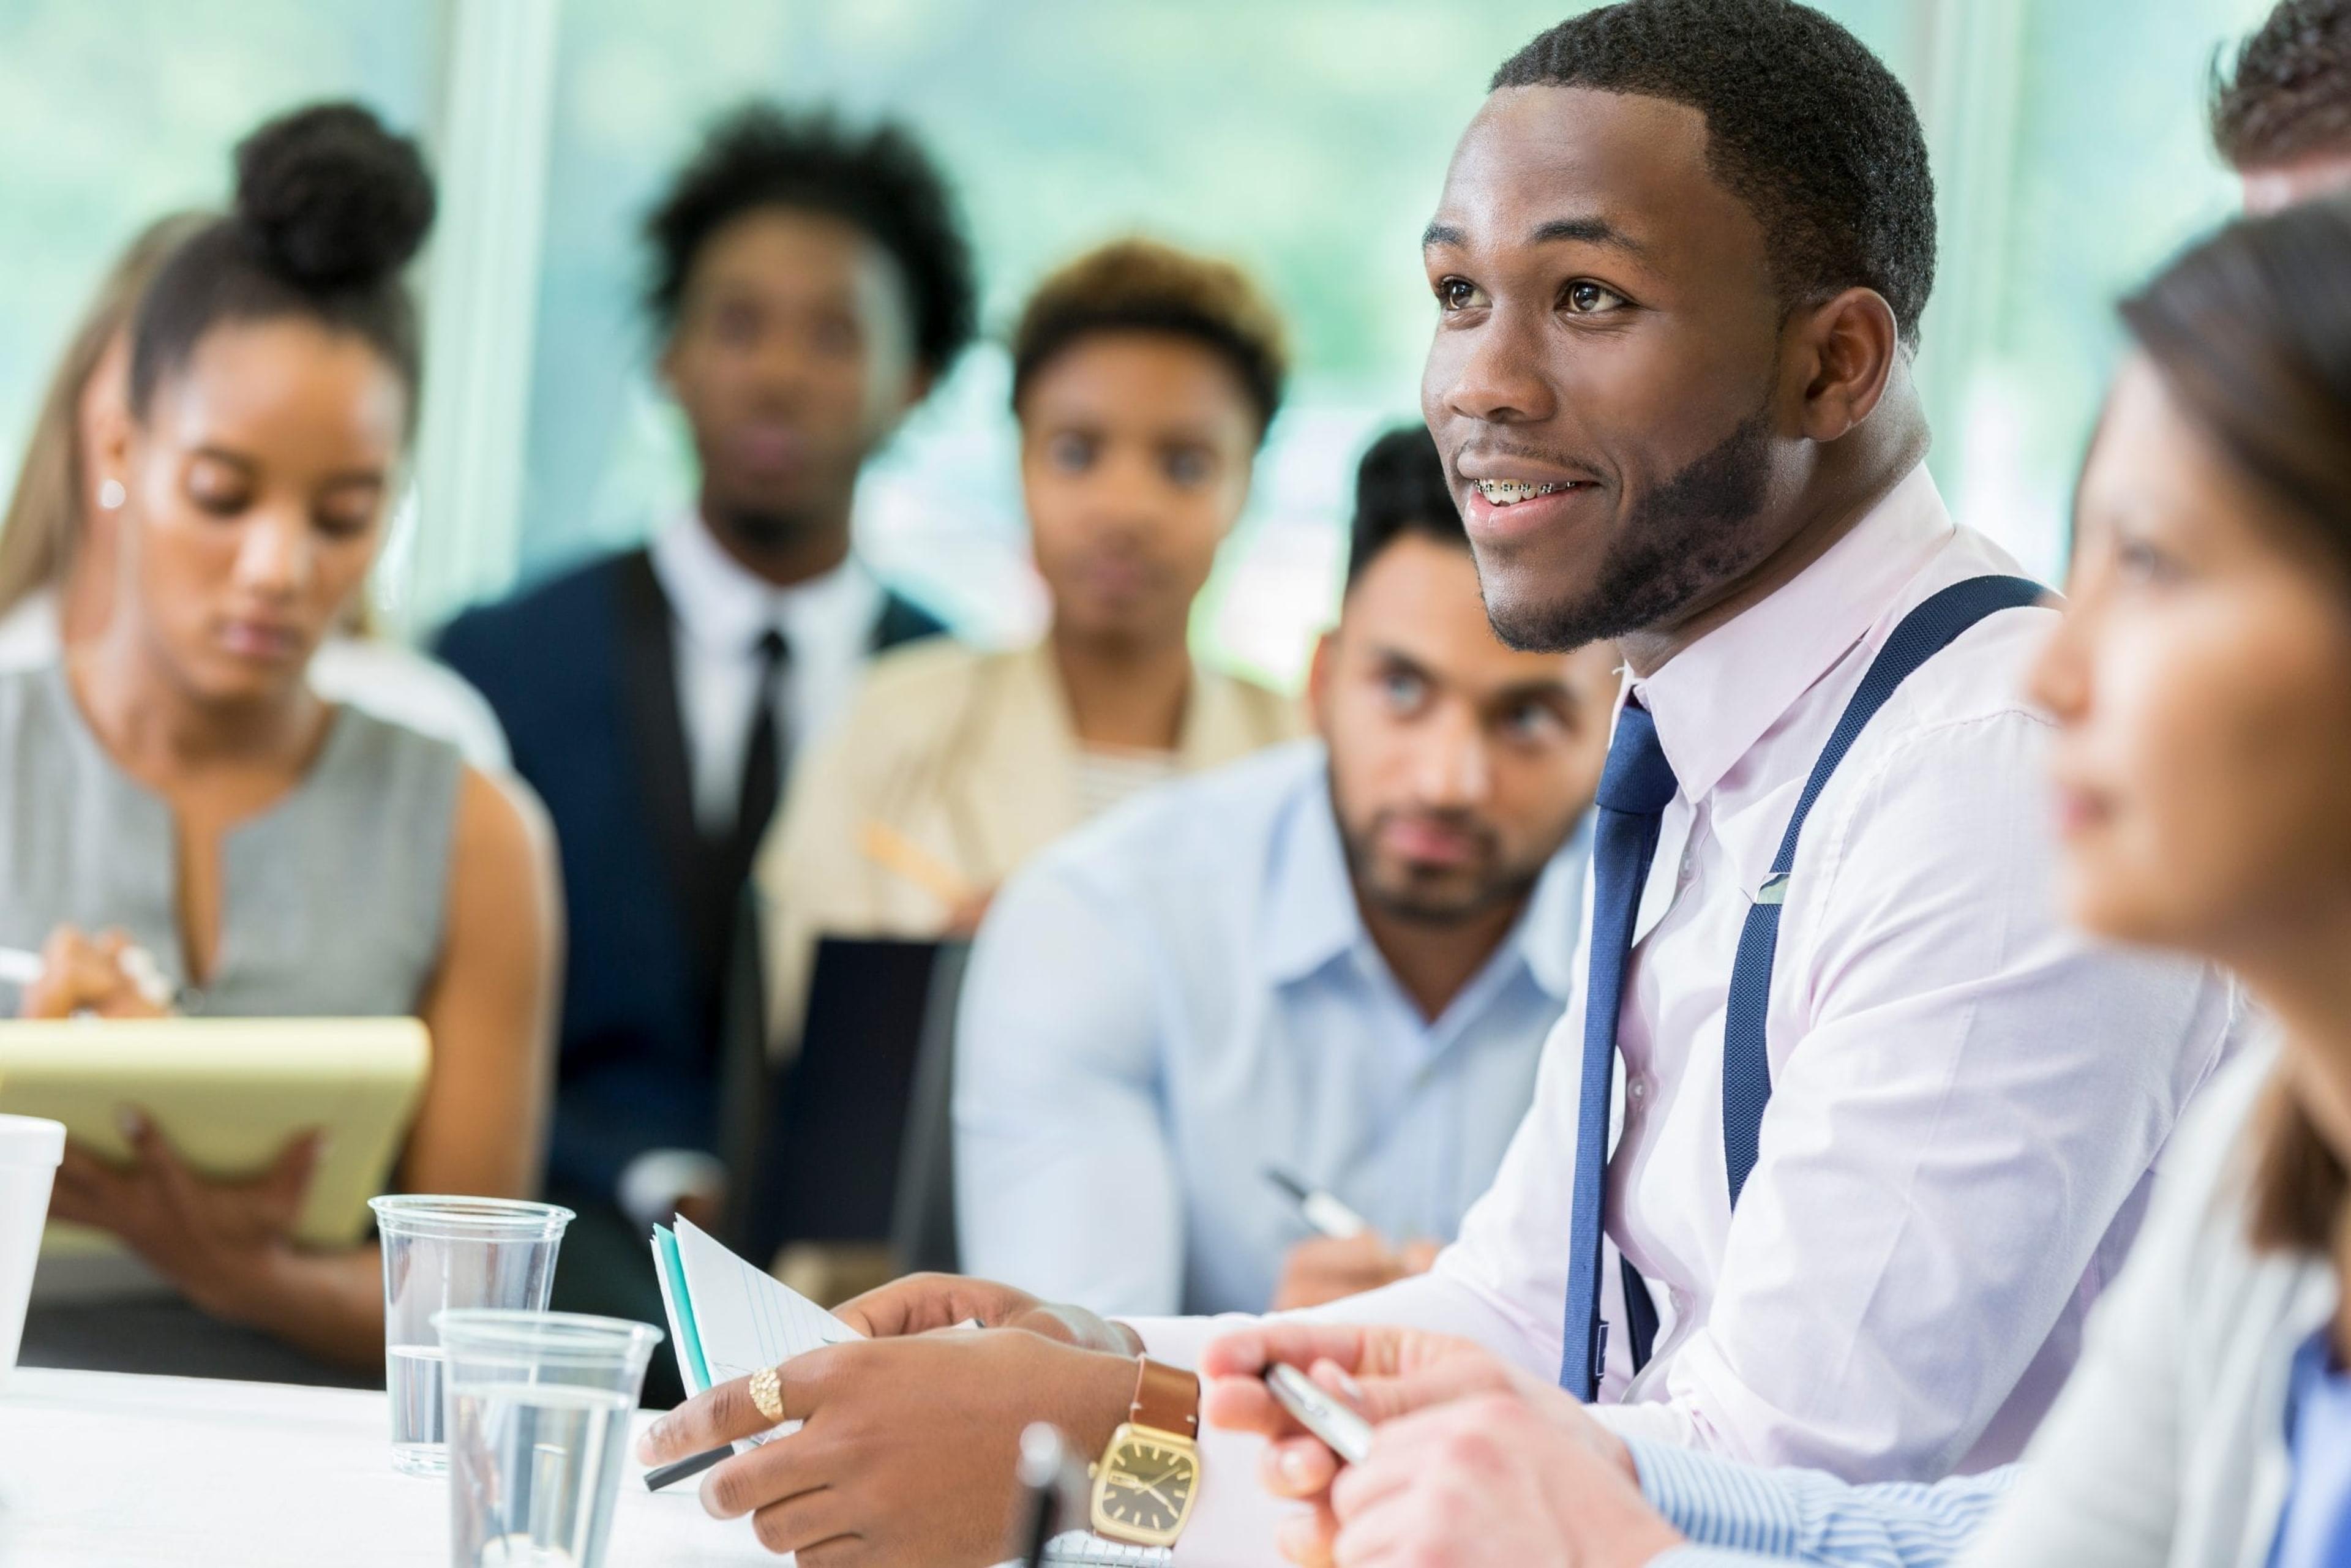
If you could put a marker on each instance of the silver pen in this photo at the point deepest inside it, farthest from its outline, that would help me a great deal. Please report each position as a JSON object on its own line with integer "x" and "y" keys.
{"x": 1318, "y": 1207}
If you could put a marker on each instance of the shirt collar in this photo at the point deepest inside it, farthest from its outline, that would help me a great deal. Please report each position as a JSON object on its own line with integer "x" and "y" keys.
{"x": 725, "y": 608}
{"x": 1716, "y": 698}
{"x": 1313, "y": 918}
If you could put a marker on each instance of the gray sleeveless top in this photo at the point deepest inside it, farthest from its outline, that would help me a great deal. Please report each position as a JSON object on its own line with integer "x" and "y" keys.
{"x": 332, "y": 901}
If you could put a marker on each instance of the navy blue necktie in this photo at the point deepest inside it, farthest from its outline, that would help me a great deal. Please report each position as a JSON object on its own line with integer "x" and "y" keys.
{"x": 1634, "y": 788}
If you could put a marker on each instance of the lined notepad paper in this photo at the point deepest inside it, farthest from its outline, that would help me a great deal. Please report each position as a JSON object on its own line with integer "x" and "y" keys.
{"x": 727, "y": 1318}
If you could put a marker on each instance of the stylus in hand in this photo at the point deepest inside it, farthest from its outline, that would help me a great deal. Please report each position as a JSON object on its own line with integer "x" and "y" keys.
{"x": 20, "y": 967}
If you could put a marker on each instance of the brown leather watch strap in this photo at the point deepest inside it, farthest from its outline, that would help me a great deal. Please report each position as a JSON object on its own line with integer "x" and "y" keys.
{"x": 1166, "y": 1399}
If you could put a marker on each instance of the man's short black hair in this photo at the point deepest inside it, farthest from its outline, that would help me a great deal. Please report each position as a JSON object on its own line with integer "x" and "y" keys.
{"x": 879, "y": 180}
{"x": 1400, "y": 489}
{"x": 1803, "y": 124}
{"x": 2288, "y": 91}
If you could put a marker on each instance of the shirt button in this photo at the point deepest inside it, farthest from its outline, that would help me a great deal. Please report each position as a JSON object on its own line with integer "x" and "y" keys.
{"x": 1689, "y": 866}
{"x": 1637, "y": 1089}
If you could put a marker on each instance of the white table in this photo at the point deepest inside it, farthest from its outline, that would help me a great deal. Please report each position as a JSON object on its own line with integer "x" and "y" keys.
{"x": 98, "y": 1471}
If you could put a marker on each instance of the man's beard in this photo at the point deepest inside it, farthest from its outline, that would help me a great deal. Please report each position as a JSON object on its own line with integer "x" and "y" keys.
{"x": 1694, "y": 534}
{"x": 1500, "y": 884}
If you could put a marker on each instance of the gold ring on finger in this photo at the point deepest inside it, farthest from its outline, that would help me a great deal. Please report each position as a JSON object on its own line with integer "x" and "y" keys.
{"x": 767, "y": 1395}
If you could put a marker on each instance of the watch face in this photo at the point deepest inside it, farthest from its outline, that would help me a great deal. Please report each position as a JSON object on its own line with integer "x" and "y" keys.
{"x": 1146, "y": 1487}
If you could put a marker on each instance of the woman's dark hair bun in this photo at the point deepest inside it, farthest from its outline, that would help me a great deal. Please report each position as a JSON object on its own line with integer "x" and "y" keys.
{"x": 330, "y": 200}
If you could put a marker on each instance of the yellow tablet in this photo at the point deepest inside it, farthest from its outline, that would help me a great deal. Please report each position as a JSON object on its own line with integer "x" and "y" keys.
{"x": 229, "y": 1093}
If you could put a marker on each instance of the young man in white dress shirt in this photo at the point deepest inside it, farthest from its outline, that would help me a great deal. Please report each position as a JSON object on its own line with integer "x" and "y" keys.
{"x": 1679, "y": 264}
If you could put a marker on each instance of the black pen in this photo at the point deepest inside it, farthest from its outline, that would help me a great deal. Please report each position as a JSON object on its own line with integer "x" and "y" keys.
{"x": 1043, "y": 1471}
{"x": 669, "y": 1475}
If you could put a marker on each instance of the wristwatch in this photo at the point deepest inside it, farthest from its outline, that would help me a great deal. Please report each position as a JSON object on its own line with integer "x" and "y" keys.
{"x": 1148, "y": 1477}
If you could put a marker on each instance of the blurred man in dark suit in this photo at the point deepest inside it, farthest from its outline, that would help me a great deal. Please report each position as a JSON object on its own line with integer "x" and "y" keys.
{"x": 810, "y": 284}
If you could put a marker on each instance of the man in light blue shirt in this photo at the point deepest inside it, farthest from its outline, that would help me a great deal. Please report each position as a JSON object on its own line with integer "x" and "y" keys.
{"x": 1338, "y": 960}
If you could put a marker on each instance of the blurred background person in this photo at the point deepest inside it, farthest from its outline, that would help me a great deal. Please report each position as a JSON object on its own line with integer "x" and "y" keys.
{"x": 809, "y": 284}
{"x": 2280, "y": 114}
{"x": 1145, "y": 378}
{"x": 57, "y": 544}
{"x": 1339, "y": 959}
{"x": 177, "y": 782}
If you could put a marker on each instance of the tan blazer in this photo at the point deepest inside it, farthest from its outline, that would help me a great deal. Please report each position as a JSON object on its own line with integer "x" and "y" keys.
{"x": 969, "y": 756}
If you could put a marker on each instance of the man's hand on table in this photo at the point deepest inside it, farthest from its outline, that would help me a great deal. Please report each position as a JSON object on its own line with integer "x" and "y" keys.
{"x": 1327, "y": 1268}
{"x": 911, "y": 1437}
{"x": 1472, "y": 1461}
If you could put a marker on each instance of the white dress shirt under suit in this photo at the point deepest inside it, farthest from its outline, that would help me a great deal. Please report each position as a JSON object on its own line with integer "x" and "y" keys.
{"x": 1968, "y": 1098}
{"x": 1182, "y": 993}
{"x": 721, "y": 610}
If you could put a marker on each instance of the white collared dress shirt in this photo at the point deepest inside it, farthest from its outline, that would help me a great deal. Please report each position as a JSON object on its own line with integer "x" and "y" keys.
{"x": 1969, "y": 1095}
{"x": 720, "y": 611}
{"x": 1182, "y": 994}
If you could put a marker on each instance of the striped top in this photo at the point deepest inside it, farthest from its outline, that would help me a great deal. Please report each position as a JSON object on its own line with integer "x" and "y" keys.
{"x": 1109, "y": 777}
{"x": 1736, "y": 1515}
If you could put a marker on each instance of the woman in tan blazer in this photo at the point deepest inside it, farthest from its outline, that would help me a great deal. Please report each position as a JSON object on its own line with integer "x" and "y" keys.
{"x": 1144, "y": 379}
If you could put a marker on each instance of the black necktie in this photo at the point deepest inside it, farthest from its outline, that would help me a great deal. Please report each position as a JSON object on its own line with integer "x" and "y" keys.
{"x": 1636, "y": 785}
{"x": 763, "y": 757}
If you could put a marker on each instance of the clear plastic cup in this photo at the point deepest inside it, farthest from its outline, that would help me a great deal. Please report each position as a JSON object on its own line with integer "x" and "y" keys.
{"x": 446, "y": 1252}
{"x": 538, "y": 1414}
{"x": 30, "y": 1148}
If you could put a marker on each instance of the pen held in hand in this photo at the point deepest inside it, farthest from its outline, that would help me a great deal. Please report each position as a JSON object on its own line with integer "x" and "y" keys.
{"x": 669, "y": 1475}
{"x": 1318, "y": 1207}
{"x": 20, "y": 967}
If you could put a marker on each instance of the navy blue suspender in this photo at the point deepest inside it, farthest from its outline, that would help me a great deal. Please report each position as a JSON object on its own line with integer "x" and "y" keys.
{"x": 1746, "y": 1067}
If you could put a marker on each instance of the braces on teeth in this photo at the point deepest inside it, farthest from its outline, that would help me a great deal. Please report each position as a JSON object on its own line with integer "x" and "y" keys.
{"x": 1505, "y": 492}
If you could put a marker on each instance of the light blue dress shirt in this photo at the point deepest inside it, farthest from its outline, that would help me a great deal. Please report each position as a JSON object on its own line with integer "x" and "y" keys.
{"x": 2316, "y": 1531}
{"x": 1182, "y": 994}
{"x": 1737, "y": 1515}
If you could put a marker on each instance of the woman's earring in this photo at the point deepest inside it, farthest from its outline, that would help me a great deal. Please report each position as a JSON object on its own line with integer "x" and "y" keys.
{"x": 111, "y": 495}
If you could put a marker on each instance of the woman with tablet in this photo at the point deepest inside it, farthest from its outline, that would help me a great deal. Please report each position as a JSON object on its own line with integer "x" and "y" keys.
{"x": 177, "y": 783}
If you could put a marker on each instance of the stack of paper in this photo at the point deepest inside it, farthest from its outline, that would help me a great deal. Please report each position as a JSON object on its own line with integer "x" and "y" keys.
{"x": 728, "y": 1320}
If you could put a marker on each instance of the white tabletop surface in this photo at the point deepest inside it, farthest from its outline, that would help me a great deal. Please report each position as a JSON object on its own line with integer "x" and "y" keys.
{"x": 98, "y": 1471}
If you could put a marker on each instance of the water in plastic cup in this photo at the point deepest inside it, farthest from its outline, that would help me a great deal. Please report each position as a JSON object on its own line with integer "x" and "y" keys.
{"x": 30, "y": 1148}
{"x": 539, "y": 1410}
{"x": 451, "y": 1252}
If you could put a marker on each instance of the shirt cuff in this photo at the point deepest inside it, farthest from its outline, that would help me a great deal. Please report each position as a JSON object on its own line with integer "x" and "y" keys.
{"x": 651, "y": 1184}
{"x": 1708, "y": 1557}
{"x": 1716, "y": 1503}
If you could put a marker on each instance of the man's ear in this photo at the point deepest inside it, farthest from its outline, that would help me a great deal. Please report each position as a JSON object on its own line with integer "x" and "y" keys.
{"x": 1321, "y": 673}
{"x": 1849, "y": 350}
